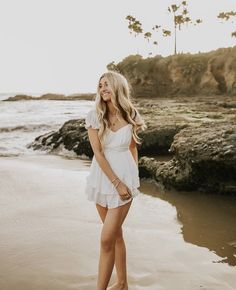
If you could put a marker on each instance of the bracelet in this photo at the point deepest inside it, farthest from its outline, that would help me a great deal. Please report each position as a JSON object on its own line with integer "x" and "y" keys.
{"x": 114, "y": 179}
{"x": 117, "y": 184}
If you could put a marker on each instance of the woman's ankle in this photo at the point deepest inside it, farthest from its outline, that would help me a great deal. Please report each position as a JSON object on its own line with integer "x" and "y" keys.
{"x": 119, "y": 285}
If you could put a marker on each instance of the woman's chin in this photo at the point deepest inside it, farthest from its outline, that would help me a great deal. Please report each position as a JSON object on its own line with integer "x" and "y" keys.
{"x": 106, "y": 99}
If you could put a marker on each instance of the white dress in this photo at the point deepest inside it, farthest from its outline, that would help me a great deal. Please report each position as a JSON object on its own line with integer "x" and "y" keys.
{"x": 99, "y": 188}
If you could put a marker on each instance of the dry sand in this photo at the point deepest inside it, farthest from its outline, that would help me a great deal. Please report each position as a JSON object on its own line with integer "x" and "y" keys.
{"x": 49, "y": 235}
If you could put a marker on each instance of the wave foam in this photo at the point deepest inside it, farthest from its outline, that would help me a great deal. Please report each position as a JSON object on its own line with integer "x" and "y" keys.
{"x": 26, "y": 128}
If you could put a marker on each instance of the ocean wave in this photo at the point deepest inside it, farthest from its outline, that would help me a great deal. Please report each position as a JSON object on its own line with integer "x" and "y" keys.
{"x": 26, "y": 128}
{"x": 59, "y": 151}
{"x": 70, "y": 154}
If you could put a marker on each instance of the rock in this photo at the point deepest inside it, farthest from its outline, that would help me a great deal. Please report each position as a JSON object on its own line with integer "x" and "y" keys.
{"x": 158, "y": 139}
{"x": 72, "y": 135}
{"x": 210, "y": 167}
{"x": 148, "y": 167}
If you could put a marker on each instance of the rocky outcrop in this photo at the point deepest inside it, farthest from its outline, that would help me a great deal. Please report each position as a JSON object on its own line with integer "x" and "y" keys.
{"x": 148, "y": 167}
{"x": 203, "y": 149}
{"x": 54, "y": 97}
{"x": 204, "y": 159}
{"x": 211, "y": 73}
{"x": 158, "y": 139}
{"x": 72, "y": 136}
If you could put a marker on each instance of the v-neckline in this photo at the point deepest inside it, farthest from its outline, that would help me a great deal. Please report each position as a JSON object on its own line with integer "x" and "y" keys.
{"x": 119, "y": 128}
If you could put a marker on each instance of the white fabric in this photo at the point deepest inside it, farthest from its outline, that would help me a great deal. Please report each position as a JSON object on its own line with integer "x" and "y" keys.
{"x": 91, "y": 120}
{"x": 99, "y": 188}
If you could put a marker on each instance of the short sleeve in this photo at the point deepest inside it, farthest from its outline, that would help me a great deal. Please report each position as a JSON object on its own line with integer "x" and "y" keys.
{"x": 91, "y": 120}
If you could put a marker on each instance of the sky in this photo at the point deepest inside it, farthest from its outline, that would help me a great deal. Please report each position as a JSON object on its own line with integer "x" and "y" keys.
{"x": 63, "y": 46}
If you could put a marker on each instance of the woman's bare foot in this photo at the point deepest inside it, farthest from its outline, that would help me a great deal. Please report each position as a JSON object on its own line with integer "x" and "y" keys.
{"x": 118, "y": 286}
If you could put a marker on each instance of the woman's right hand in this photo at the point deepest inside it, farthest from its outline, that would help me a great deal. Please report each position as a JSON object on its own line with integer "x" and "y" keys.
{"x": 123, "y": 191}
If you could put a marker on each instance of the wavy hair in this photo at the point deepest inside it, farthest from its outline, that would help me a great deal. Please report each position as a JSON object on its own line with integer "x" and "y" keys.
{"x": 122, "y": 102}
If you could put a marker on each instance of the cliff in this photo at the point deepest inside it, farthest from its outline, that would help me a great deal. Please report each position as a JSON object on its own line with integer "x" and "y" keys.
{"x": 211, "y": 73}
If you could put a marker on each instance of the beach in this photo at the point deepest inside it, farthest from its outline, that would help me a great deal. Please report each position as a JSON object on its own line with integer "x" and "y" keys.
{"x": 50, "y": 232}
{"x": 159, "y": 86}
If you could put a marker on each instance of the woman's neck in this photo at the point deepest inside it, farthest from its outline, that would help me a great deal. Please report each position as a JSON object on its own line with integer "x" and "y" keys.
{"x": 111, "y": 108}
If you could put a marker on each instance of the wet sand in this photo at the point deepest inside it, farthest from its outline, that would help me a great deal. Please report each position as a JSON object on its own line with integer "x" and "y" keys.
{"x": 49, "y": 234}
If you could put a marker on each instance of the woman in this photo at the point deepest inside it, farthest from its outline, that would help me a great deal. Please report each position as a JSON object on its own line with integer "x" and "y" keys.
{"x": 114, "y": 178}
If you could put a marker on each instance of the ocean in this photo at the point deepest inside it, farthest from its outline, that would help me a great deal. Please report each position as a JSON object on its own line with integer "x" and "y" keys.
{"x": 22, "y": 121}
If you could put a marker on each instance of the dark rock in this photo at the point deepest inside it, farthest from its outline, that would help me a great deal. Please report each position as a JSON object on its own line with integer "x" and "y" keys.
{"x": 210, "y": 167}
{"x": 158, "y": 139}
{"x": 72, "y": 136}
{"x": 148, "y": 167}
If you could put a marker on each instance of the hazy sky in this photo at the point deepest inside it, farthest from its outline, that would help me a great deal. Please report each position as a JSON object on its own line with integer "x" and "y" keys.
{"x": 64, "y": 45}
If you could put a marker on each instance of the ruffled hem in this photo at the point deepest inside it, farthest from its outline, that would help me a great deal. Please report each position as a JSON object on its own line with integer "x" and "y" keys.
{"x": 108, "y": 200}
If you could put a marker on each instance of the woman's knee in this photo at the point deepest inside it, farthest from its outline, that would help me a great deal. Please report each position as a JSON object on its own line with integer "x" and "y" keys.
{"x": 107, "y": 242}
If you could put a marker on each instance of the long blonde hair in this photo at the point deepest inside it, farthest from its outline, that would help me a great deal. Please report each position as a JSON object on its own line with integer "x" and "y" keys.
{"x": 122, "y": 102}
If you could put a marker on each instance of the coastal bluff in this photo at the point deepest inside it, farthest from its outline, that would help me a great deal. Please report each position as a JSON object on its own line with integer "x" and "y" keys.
{"x": 184, "y": 74}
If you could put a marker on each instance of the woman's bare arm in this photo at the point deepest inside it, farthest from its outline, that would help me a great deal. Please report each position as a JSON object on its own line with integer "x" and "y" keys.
{"x": 134, "y": 151}
{"x": 97, "y": 150}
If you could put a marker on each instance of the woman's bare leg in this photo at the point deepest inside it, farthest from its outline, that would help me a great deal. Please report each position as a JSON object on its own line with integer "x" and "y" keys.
{"x": 120, "y": 263}
{"x": 112, "y": 224}
{"x": 120, "y": 255}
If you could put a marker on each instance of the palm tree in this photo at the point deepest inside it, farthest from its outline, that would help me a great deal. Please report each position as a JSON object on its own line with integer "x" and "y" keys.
{"x": 226, "y": 16}
{"x": 135, "y": 26}
{"x": 181, "y": 18}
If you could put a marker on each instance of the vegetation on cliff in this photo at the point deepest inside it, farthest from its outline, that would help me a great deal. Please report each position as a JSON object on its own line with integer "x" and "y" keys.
{"x": 210, "y": 73}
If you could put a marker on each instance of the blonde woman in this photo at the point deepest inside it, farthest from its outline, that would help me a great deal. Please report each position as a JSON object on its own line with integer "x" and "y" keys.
{"x": 113, "y": 179}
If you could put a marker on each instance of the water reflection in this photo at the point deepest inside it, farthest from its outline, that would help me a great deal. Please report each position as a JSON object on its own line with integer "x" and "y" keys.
{"x": 207, "y": 220}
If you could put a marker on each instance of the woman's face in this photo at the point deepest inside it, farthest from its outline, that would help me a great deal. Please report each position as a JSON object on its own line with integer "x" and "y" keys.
{"x": 105, "y": 89}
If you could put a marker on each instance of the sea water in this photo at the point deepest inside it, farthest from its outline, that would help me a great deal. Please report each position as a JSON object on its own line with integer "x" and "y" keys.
{"x": 22, "y": 121}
